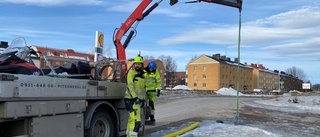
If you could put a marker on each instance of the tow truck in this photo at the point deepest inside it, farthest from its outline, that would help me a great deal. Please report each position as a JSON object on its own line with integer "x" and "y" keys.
{"x": 34, "y": 103}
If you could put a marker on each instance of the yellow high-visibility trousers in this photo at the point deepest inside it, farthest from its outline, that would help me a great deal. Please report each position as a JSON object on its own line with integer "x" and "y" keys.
{"x": 134, "y": 121}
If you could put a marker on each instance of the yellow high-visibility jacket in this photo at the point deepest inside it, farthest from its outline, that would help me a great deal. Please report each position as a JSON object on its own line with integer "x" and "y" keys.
{"x": 153, "y": 80}
{"x": 135, "y": 85}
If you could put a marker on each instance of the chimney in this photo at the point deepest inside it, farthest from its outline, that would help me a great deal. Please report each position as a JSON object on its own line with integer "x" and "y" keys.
{"x": 70, "y": 50}
{"x": 223, "y": 57}
{"x": 228, "y": 59}
{"x": 236, "y": 60}
{"x": 260, "y": 66}
{"x": 245, "y": 63}
{"x": 217, "y": 56}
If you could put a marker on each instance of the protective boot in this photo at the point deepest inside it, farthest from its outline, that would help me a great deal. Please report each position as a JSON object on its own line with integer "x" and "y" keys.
{"x": 151, "y": 122}
{"x": 152, "y": 118}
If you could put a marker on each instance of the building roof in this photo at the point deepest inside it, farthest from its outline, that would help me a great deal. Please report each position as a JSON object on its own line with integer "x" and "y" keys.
{"x": 223, "y": 60}
{"x": 68, "y": 53}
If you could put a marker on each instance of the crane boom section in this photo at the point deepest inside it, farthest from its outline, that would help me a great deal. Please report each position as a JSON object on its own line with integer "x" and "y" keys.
{"x": 136, "y": 15}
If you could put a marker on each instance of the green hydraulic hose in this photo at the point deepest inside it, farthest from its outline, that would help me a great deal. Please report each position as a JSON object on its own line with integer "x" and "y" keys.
{"x": 236, "y": 117}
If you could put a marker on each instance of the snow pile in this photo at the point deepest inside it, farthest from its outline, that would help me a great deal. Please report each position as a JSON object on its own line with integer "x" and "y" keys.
{"x": 306, "y": 104}
{"x": 209, "y": 128}
{"x": 181, "y": 87}
{"x": 228, "y": 92}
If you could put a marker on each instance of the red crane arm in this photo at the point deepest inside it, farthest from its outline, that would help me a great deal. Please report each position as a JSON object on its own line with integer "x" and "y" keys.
{"x": 137, "y": 14}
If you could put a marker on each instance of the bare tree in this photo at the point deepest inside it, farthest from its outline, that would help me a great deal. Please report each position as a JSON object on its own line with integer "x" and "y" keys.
{"x": 316, "y": 87}
{"x": 297, "y": 72}
{"x": 170, "y": 67}
{"x": 193, "y": 58}
{"x": 147, "y": 57}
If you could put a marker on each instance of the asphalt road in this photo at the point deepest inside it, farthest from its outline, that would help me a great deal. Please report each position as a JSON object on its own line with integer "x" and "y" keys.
{"x": 178, "y": 110}
{"x": 173, "y": 111}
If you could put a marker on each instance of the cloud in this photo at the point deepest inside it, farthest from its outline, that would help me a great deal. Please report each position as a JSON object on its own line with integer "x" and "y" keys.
{"x": 129, "y": 7}
{"x": 172, "y": 13}
{"x": 200, "y": 35}
{"x": 54, "y": 2}
{"x": 37, "y": 33}
{"x": 302, "y": 18}
{"x": 308, "y": 48}
{"x": 296, "y": 24}
{"x": 124, "y": 7}
{"x": 284, "y": 38}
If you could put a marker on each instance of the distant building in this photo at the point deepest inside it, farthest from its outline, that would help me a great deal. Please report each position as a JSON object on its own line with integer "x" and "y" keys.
{"x": 290, "y": 82}
{"x": 264, "y": 78}
{"x": 58, "y": 57}
{"x": 215, "y": 72}
{"x": 179, "y": 78}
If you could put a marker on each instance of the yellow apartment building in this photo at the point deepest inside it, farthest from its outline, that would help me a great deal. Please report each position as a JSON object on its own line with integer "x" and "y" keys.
{"x": 215, "y": 72}
{"x": 264, "y": 78}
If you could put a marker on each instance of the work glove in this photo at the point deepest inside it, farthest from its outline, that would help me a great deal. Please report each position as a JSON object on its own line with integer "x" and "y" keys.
{"x": 136, "y": 100}
{"x": 142, "y": 103}
{"x": 128, "y": 104}
{"x": 158, "y": 92}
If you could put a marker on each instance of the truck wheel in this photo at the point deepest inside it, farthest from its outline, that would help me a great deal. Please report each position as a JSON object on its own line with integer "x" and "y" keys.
{"x": 101, "y": 125}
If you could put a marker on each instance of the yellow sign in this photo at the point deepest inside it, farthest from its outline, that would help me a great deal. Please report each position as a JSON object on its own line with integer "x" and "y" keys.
{"x": 101, "y": 40}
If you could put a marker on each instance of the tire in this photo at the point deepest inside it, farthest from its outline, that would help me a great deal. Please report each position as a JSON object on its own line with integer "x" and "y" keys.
{"x": 101, "y": 125}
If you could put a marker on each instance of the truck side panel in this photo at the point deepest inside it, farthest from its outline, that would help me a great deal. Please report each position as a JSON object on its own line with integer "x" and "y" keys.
{"x": 40, "y": 108}
{"x": 42, "y": 86}
{"x": 70, "y": 125}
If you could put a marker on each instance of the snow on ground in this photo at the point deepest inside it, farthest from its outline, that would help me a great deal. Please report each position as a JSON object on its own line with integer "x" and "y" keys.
{"x": 181, "y": 87}
{"x": 306, "y": 104}
{"x": 284, "y": 103}
{"x": 208, "y": 129}
{"x": 228, "y": 92}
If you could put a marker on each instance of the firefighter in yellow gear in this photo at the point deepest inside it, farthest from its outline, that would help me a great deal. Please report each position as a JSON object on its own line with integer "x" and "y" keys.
{"x": 135, "y": 96}
{"x": 153, "y": 86}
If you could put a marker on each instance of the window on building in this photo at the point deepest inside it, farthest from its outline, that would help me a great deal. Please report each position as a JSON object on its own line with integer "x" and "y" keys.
{"x": 195, "y": 68}
{"x": 194, "y": 76}
{"x": 195, "y": 84}
{"x": 204, "y": 85}
{"x": 64, "y": 55}
{"x": 65, "y": 63}
{"x": 47, "y": 53}
{"x": 204, "y": 76}
{"x": 57, "y": 63}
{"x": 204, "y": 68}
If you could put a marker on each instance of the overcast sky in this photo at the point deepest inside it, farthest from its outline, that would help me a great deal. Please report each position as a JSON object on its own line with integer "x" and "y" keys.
{"x": 277, "y": 34}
